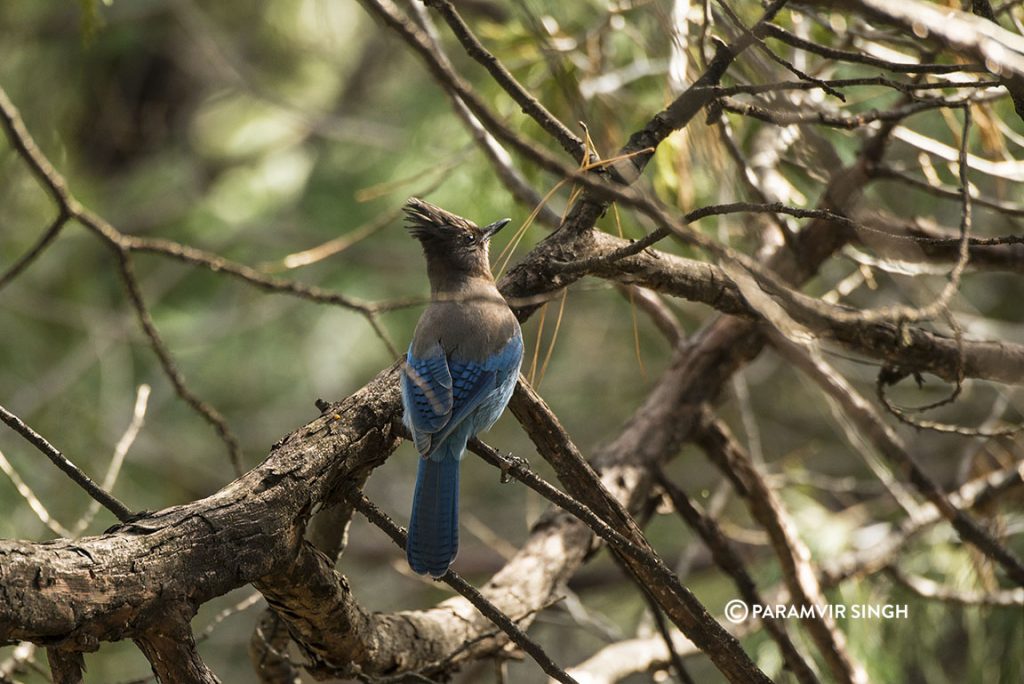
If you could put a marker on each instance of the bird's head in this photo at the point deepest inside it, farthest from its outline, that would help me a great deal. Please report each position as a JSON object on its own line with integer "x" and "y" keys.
{"x": 456, "y": 248}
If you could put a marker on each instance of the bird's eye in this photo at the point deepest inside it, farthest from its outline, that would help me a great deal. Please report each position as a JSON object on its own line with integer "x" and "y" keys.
{"x": 469, "y": 238}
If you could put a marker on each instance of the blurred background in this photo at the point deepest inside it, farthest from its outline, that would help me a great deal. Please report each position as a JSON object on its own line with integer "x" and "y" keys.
{"x": 286, "y": 136}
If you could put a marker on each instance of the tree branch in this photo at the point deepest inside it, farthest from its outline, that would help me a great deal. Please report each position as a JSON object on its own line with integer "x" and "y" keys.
{"x": 499, "y": 157}
{"x": 729, "y": 561}
{"x": 917, "y": 240}
{"x": 984, "y": 41}
{"x": 66, "y": 667}
{"x": 882, "y": 553}
{"x": 905, "y": 346}
{"x": 197, "y": 551}
{"x": 208, "y": 412}
{"x": 794, "y": 556}
{"x": 105, "y": 499}
{"x": 927, "y": 589}
{"x": 892, "y": 448}
{"x": 583, "y": 483}
{"x": 479, "y": 601}
{"x": 779, "y": 33}
{"x": 570, "y": 142}
{"x": 171, "y": 650}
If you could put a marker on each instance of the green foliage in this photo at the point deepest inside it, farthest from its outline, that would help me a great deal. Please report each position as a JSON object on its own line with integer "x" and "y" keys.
{"x": 91, "y": 19}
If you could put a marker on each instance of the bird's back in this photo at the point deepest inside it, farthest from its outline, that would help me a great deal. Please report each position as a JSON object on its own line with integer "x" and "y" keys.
{"x": 471, "y": 325}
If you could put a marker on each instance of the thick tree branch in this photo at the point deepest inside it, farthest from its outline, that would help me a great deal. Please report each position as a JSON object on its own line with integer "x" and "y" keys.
{"x": 171, "y": 650}
{"x": 66, "y": 667}
{"x": 192, "y": 553}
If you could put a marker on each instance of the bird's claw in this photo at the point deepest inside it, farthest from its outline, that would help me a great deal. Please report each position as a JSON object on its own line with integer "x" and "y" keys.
{"x": 510, "y": 462}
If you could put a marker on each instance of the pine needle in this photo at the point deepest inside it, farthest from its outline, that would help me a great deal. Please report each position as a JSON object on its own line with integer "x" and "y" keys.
{"x": 554, "y": 337}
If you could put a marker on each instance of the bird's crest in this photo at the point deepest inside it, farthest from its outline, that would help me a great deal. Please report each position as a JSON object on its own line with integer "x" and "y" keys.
{"x": 425, "y": 220}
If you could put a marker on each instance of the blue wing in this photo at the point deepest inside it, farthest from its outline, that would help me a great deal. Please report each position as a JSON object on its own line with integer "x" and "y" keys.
{"x": 506, "y": 368}
{"x": 426, "y": 395}
{"x": 439, "y": 393}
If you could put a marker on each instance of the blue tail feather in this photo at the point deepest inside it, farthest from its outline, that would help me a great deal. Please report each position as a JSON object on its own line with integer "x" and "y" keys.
{"x": 434, "y": 525}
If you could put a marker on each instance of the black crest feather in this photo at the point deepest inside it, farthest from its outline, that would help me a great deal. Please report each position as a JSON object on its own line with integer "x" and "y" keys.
{"x": 425, "y": 220}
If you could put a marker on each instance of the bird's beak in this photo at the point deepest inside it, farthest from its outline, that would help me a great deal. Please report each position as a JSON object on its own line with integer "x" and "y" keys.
{"x": 492, "y": 229}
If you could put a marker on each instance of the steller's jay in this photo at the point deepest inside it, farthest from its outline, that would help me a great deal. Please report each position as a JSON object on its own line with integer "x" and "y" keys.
{"x": 459, "y": 374}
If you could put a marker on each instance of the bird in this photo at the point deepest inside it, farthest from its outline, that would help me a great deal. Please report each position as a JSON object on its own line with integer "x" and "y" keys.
{"x": 459, "y": 373}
